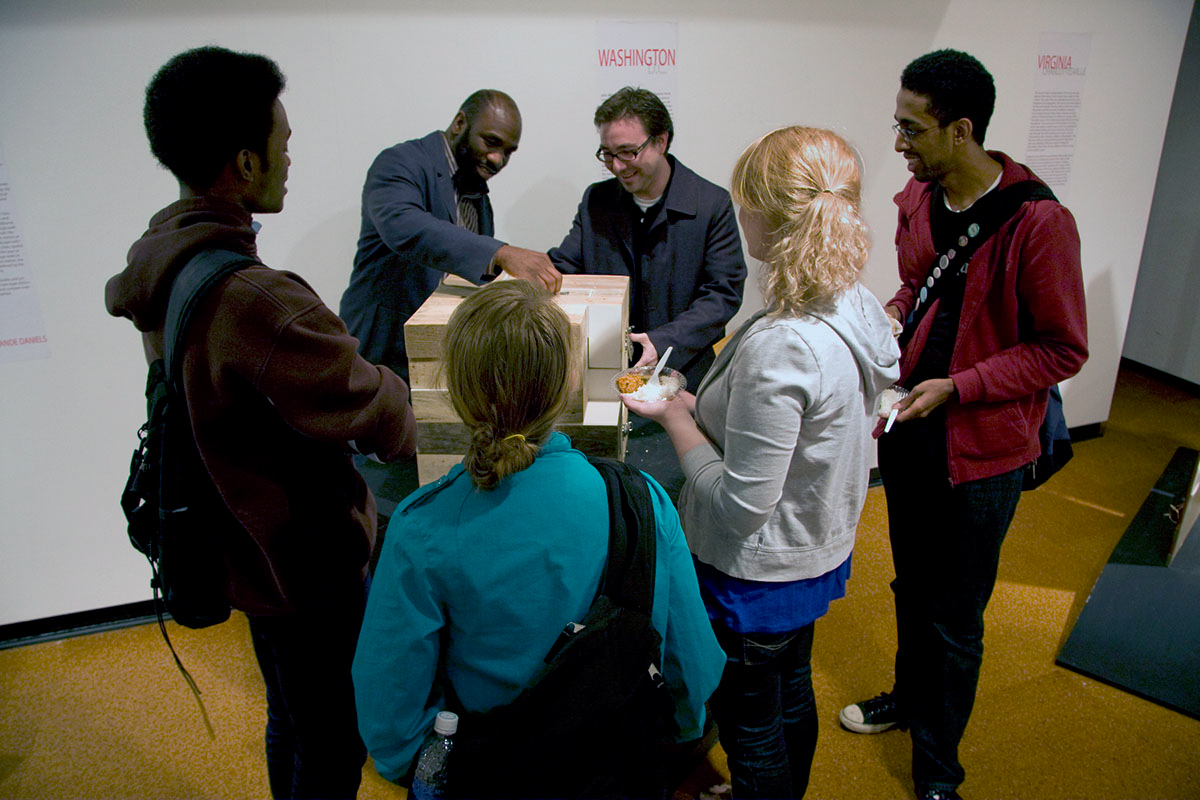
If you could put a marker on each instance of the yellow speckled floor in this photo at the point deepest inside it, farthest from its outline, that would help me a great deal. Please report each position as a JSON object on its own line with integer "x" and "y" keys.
{"x": 107, "y": 716}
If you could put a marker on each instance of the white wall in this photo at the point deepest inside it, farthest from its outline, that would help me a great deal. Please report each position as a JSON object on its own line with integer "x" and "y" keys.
{"x": 1164, "y": 328}
{"x": 364, "y": 74}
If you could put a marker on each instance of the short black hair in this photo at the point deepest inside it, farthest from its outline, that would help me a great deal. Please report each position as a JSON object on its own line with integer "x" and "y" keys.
{"x": 957, "y": 86}
{"x": 641, "y": 104}
{"x": 485, "y": 98}
{"x": 207, "y": 104}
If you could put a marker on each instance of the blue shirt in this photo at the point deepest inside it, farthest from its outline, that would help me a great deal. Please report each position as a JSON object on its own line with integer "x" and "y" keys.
{"x": 745, "y": 606}
{"x": 484, "y": 581}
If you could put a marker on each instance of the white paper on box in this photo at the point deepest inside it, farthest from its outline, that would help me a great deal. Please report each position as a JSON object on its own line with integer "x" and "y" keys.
{"x": 606, "y": 337}
{"x": 600, "y": 384}
{"x": 602, "y": 412}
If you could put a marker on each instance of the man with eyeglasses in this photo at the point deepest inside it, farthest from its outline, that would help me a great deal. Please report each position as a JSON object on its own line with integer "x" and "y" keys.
{"x": 990, "y": 314}
{"x": 672, "y": 232}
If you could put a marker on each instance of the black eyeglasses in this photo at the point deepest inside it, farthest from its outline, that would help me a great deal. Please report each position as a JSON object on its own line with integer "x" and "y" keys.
{"x": 624, "y": 156}
{"x": 908, "y": 133}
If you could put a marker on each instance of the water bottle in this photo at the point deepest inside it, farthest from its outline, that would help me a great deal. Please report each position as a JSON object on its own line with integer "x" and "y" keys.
{"x": 430, "y": 778}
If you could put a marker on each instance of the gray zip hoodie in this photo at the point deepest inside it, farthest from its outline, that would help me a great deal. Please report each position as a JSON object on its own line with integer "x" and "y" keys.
{"x": 788, "y": 406}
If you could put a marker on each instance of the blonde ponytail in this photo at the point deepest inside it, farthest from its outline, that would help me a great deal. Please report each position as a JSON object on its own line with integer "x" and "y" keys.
{"x": 805, "y": 184}
{"x": 508, "y": 370}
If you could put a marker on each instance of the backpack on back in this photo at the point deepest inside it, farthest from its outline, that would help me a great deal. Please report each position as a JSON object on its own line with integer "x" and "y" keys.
{"x": 595, "y": 719}
{"x": 169, "y": 500}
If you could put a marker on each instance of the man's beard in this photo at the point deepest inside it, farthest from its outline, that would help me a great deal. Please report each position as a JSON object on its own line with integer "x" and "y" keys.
{"x": 467, "y": 175}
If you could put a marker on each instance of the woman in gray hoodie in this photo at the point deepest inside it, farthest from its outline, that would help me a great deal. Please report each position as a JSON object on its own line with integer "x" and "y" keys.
{"x": 775, "y": 446}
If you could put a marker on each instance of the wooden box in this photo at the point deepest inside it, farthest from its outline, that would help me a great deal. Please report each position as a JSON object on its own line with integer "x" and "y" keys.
{"x": 598, "y": 309}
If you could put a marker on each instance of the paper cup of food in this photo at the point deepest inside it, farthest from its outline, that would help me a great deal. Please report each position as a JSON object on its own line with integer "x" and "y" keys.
{"x": 635, "y": 384}
{"x": 888, "y": 398}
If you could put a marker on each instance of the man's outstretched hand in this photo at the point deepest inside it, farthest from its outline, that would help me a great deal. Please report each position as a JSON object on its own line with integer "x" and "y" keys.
{"x": 529, "y": 265}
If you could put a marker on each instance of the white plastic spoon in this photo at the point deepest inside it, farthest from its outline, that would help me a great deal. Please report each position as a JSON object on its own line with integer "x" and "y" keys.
{"x": 662, "y": 362}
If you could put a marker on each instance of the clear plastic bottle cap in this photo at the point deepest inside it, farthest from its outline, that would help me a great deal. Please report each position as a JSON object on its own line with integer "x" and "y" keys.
{"x": 446, "y": 723}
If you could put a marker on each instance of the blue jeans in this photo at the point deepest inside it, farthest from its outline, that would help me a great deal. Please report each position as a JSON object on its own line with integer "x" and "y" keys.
{"x": 312, "y": 741}
{"x": 765, "y": 711}
{"x": 946, "y": 551}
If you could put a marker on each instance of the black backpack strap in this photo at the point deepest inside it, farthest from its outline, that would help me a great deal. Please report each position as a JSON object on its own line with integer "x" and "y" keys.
{"x": 950, "y": 267}
{"x": 629, "y": 572}
{"x": 198, "y": 276}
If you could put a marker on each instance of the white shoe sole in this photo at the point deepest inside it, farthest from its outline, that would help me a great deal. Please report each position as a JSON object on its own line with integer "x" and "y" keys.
{"x": 862, "y": 727}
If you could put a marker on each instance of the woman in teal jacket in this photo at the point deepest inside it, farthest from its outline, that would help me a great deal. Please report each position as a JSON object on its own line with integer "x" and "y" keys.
{"x": 481, "y": 570}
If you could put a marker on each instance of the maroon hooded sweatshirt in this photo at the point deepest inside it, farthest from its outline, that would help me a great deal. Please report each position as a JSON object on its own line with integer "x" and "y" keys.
{"x": 1022, "y": 329}
{"x": 278, "y": 398}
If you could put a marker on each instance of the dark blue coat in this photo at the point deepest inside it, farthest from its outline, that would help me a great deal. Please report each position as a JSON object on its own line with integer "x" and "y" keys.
{"x": 408, "y": 241}
{"x": 689, "y": 282}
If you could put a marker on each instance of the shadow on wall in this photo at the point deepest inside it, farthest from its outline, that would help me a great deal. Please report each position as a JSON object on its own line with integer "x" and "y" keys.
{"x": 1087, "y": 397}
{"x": 1183, "y": 346}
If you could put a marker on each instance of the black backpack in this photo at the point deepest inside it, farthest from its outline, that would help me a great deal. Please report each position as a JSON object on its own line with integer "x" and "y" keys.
{"x": 170, "y": 502}
{"x": 596, "y": 719}
{"x": 1055, "y": 439}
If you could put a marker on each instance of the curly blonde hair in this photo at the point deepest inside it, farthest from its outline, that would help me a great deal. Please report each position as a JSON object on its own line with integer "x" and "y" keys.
{"x": 805, "y": 184}
{"x": 508, "y": 367}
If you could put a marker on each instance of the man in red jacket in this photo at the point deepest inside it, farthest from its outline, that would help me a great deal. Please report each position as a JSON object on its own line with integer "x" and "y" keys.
{"x": 278, "y": 399}
{"x": 989, "y": 318}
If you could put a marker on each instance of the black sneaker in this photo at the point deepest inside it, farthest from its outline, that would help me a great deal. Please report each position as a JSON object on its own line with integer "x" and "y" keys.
{"x": 872, "y": 716}
{"x": 938, "y": 794}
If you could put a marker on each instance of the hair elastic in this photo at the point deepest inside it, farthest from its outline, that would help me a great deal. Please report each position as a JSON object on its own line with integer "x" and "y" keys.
{"x": 520, "y": 436}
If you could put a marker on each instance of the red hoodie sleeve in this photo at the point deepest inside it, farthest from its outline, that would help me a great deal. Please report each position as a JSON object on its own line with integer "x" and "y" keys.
{"x": 1045, "y": 258}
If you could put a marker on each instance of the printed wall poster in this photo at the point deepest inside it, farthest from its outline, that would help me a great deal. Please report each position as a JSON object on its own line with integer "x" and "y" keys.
{"x": 22, "y": 333}
{"x": 640, "y": 54}
{"x": 1060, "y": 74}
